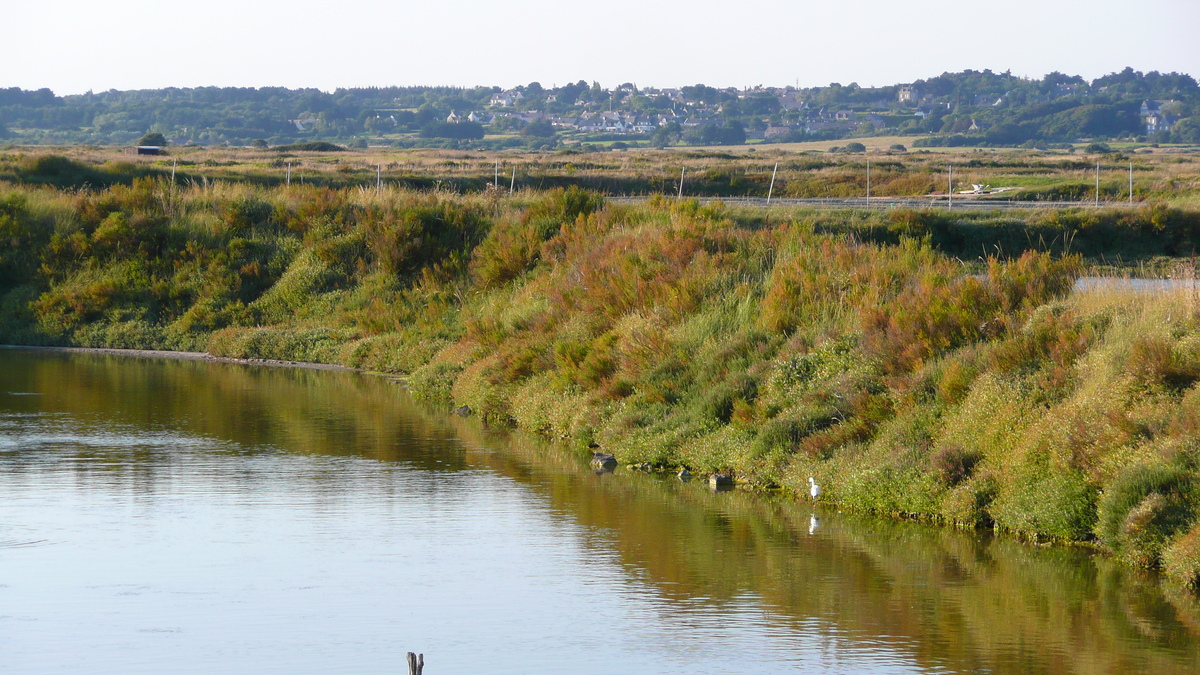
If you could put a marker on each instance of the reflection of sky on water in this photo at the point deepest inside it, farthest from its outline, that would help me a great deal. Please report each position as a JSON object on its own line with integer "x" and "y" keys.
{"x": 195, "y": 560}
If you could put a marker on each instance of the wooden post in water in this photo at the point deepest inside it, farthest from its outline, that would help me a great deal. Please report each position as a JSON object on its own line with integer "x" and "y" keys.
{"x": 289, "y": 173}
{"x": 1131, "y": 183}
{"x": 681, "y": 172}
{"x": 1097, "y": 183}
{"x": 416, "y": 663}
{"x": 513, "y": 184}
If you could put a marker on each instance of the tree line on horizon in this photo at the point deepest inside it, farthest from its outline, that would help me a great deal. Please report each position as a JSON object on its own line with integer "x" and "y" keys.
{"x": 964, "y": 108}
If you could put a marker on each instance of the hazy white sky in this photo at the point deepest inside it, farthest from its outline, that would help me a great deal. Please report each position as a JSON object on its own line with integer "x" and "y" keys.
{"x": 72, "y": 46}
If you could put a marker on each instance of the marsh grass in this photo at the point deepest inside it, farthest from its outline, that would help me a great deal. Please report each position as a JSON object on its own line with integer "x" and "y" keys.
{"x": 974, "y": 390}
{"x": 1163, "y": 175}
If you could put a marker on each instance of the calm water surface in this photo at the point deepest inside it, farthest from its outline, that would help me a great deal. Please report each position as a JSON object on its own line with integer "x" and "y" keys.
{"x": 194, "y": 517}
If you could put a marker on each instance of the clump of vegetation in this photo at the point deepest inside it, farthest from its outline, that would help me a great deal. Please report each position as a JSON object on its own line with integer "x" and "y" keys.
{"x": 1143, "y": 508}
{"x": 1181, "y": 559}
{"x": 310, "y": 146}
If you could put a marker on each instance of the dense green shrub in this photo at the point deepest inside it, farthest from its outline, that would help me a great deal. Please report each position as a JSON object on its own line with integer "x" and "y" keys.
{"x": 1155, "y": 362}
{"x": 310, "y": 146}
{"x": 953, "y": 464}
{"x": 1047, "y": 502}
{"x": 1143, "y": 507}
{"x": 514, "y": 245}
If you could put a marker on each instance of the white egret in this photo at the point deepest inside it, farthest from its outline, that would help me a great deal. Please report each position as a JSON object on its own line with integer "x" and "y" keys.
{"x": 813, "y": 488}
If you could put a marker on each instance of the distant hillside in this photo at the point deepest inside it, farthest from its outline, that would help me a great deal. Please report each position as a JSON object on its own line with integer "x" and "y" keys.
{"x": 967, "y": 108}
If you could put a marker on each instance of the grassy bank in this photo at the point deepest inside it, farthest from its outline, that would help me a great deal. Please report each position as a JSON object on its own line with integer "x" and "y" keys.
{"x": 916, "y": 365}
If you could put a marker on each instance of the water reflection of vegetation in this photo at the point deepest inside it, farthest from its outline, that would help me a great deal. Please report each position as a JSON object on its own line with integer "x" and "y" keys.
{"x": 963, "y": 601}
{"x": 954, "y": 600}
{"x": 298, "y": 410}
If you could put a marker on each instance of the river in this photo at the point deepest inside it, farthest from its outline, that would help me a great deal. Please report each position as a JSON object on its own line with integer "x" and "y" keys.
{"x": 196, "y": 517}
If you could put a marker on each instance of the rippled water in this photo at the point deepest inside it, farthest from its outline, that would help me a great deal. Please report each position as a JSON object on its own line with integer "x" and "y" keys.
{"x": 194, "y": 517}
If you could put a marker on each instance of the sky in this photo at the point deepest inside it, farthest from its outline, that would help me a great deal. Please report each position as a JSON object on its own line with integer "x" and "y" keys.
{"x": 74, "y": 46}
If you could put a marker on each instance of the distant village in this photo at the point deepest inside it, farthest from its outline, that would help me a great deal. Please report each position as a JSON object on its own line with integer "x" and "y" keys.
{"x": 774, "y": 113}
{"x": 789, "y": 113}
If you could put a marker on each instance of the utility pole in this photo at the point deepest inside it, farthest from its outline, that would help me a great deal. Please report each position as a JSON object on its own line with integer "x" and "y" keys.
{"x": 681, "y": 173}
{"x": 771, "y": 189}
